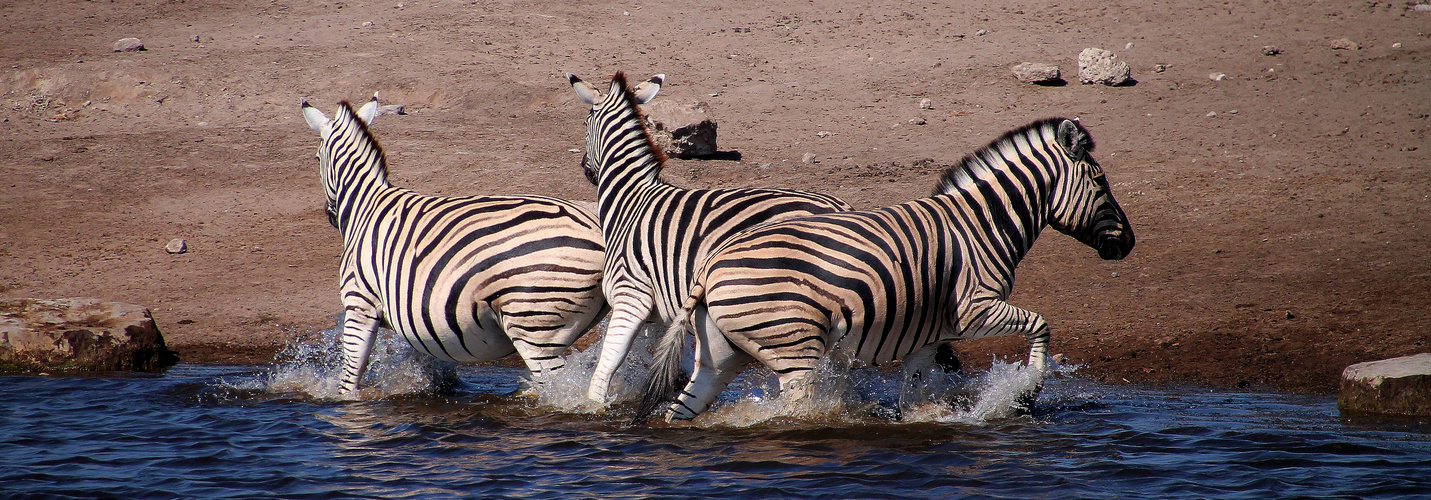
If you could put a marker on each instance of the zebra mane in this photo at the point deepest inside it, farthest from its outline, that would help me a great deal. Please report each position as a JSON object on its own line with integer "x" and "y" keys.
{"x": 971, "y": 166}
{"x": 629, "y": 101}
{"x": 346, "y": 119}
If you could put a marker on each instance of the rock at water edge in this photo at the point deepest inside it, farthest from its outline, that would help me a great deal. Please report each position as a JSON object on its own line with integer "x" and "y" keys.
{"x": 79, "y": 334}
{"x": 1396, "y": 386}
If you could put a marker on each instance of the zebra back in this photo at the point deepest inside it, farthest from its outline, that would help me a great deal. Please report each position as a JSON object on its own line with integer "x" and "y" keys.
{"x": 465, "y": 279}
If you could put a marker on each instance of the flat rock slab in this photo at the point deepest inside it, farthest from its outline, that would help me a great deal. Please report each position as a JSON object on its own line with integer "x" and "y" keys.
{"x": 1397, "y": 386}
{"x": 79, "y": 334}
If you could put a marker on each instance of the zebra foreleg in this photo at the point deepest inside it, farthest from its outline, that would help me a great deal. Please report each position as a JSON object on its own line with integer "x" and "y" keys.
{"x": 626, "y": 320}
{"x": 360, "y": 326}
{"x": 1001, "y": 318}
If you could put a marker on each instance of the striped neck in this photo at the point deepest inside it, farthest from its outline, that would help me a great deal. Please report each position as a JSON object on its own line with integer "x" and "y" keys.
{"x": 1011, "y": 182}
{"x": 620, "y": 148}
{"x": 354, "y": 166}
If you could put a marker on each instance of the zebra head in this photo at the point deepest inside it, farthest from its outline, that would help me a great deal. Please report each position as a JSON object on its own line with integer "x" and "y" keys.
{"x": 1081, "y": 204}
{"x": 336, "y": 133}
{"x": 588, "y": 94}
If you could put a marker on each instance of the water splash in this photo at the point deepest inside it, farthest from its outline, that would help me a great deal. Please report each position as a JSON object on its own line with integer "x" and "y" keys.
{"x": 312, "y": 366}
{"x": 565, "y": 389}
{"x": 842, "y": 396}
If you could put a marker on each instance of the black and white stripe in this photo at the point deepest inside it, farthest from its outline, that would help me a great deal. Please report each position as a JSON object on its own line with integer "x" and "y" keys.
{"x": 656, "y": 233}
{"x": 893, "y": 282}
{"x": 464, "y": 279}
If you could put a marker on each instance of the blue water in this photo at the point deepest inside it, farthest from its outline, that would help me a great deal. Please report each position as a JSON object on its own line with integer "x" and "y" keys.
{"x": 206, "y": 431}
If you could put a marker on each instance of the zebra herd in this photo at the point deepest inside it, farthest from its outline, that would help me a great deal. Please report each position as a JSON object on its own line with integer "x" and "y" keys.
{"x": 777, "y": 276}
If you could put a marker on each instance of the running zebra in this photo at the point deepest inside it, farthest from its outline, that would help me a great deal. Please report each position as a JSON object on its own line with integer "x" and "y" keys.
{"x": 464, "y": 279}
{"x": 893, "y": 282}
{"x": 657, "y": 233}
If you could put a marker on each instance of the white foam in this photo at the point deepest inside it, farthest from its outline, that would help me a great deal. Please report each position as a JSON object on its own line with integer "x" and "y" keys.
{"x": 313, "y": 366}
{"x": 565, "y": 389}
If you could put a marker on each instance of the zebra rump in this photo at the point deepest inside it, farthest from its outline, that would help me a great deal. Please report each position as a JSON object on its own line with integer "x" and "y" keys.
{"x": 894, "y": 282}
{"x": 465, "y": 279}
{"x": 657, "y": 234}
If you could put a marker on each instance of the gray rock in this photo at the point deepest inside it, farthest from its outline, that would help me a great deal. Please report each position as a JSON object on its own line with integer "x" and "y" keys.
{"x": 1271, "y": 50}
{"x": 79, "y": 334}
{"x": 128, "y": 45}
{"x": 176, "y": 246}
{"x": 1029, "y": 72}
{"x": 1397, "y": 386}
{"x": 682, "y": 130}
{"x": 809, "y": 158}
{"x": 1101, "y": 66}
{"x": 391, "y": 109}
{"x": 1344, "y": 44}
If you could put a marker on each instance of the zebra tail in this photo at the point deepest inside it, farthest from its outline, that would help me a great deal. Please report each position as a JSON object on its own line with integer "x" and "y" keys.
{"x": 665, "y": 377}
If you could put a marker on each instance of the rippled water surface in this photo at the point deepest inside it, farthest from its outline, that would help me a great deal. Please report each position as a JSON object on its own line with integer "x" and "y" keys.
{"x": 277, "y": 431}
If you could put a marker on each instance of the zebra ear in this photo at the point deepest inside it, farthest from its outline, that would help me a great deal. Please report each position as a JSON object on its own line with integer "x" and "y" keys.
{"x": 315, "y": 118}
{"x": 369, "y": 110}
{"x": 645, "y": 91}
{"x": 1073, "y": 139}
{"x": 586, "y": 92}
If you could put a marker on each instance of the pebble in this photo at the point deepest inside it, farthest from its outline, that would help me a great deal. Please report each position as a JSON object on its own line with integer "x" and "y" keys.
{"x": 917, "y": 121}
{"x": 1396, "y": 45}
{"x": 1159, "y": 68}
{"x": 1421, "y": 7}
{"x": 1217, "y": 77}
{"x": 1345, "y": 44}
{"x": 1211, "y": 114}
{"x": 928, "y": 104}
{"x": 809, "y": 158}
{"x": 128, "y": 45}
{"x": 981, "y": 32}
{"x": 1271, "y": 50}
{"x": 176, "y": 246}
{"x": 1029, "y": 72}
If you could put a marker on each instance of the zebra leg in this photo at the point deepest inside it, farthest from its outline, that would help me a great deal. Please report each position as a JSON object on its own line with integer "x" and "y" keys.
{"x": 360, "y": 326}
{"x": 627, "y": 317}
{"x": 916, "y": 366}
{"x": 718, "y": 361}
{"x": 1000, "y": 318}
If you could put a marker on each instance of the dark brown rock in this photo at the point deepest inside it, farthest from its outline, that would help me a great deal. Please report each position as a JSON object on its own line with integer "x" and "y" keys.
{"x": 79, "y": 335}
{"x": 1397, "y": 386}
{"x": 682, "y": 130}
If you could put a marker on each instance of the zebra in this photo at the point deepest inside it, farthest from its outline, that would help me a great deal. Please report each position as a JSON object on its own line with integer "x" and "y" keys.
{"x": 463, "y": 279}
{"x": 656, "y": 233}
{"x": 895, "y": 282}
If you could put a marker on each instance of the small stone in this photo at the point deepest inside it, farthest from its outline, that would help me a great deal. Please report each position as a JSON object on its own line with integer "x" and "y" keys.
{"x": 1271, "y": 50}
{"x": 391, "y": 109}
{"x": 926, "y": 103}
{"x": 1345, "y": 44}
{"x": 176, "y": 246}
{"x": 1101, "y": 66}
{"x": 194, "y": 38}
{"x": 824, "y": 133}
{"x": 809, "y": 158}
{"x": 682, "y": 129}
{"x": 981, "y": 32}
{"x": 367, "y": 24}
{"x": 1029, "y": 72}
{"x": 1217, "y": 77}
{"x": 1211, "y": 114}
{"x": 128, "y": 45}
{"x": 1421, "y": 7}
{"x": 1128, "y": 46}
{"x": 1232, "y": 112}
{"x": 917, "y": 121}
{"x": 1159, "y": 68}
{"x": 1396, "y": 45}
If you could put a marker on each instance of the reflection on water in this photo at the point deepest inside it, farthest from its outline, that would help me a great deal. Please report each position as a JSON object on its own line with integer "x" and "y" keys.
{"x": 447, "y": 431}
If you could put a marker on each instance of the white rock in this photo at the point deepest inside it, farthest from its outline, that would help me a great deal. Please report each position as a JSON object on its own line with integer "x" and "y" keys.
{"x": 176, "y": 246}
{"x": 128, "y": 45}
{"x": 809, "y": 158}
{"x": 1101, "y": 66}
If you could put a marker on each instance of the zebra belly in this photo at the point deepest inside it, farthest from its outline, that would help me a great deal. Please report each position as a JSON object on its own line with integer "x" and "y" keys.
{"x": 464, "y": 340}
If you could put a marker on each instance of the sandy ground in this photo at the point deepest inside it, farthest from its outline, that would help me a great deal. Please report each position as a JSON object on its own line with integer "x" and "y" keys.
{"x": 1281, "y": 212}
